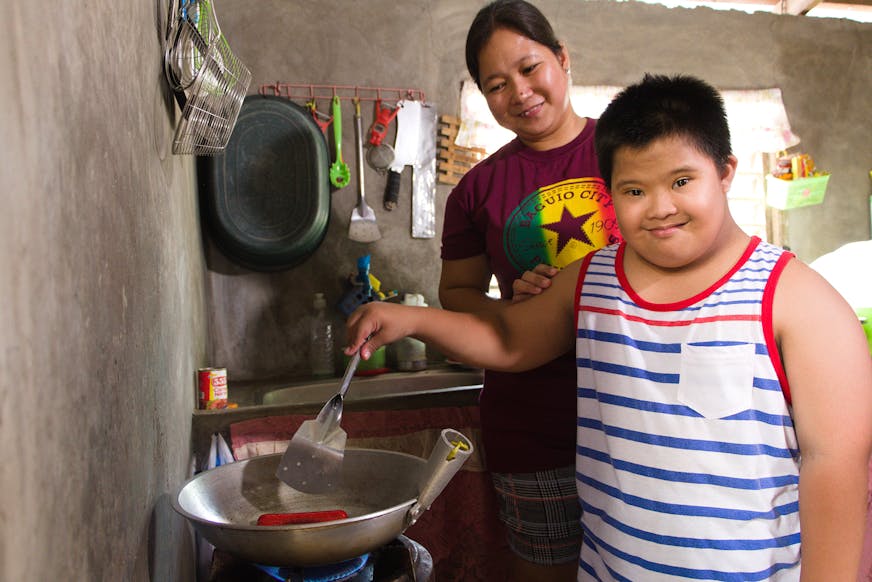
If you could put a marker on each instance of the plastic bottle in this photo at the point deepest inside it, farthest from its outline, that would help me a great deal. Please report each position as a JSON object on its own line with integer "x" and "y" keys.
{"x": 411, "y": 352}
{"x": 321, "y": 339}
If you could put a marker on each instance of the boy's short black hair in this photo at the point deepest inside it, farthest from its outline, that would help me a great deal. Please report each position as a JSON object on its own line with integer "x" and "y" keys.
{"x": 661, "y": 106}
{"x": 516, "y": 15}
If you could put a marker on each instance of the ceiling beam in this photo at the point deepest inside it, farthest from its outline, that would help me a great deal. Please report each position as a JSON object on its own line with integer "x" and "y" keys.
{"x": 798, "y": 6}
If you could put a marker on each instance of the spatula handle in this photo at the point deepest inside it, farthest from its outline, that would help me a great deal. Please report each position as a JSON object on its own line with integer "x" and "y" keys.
{"x": 349, "y": 372}
{"x": 358, "y": 146}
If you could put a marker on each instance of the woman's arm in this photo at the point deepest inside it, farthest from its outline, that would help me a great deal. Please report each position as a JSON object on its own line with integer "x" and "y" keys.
{"x": 829, "y": 370}
{"x": 464, "y": 283}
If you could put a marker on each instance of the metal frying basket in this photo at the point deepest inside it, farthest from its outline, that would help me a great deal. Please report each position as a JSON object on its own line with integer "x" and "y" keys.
{"x": 210, "y": 82}
{"x": 191, "y": 28}
{"x": 210, "y": 113}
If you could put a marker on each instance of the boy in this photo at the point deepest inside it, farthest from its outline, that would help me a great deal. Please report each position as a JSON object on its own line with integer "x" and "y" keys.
{"x": 724, "y": 388}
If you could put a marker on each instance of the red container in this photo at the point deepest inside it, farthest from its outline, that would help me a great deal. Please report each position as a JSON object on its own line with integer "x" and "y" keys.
{"x": 212, "y": 384}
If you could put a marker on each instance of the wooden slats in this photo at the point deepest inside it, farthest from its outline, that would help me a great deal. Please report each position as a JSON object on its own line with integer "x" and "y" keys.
{"x": 453, "y": 160}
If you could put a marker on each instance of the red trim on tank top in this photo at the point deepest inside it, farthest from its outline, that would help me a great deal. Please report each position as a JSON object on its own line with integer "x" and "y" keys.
{"x": 769, "y": 328}
{"x": 622, "y": 279}
{"x": 582, "y": 271}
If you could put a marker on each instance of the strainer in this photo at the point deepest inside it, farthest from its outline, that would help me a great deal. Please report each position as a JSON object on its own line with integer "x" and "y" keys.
{"x": 210, "y": 82}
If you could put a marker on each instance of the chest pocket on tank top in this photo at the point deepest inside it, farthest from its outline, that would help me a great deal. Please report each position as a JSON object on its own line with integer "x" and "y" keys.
{"x": 716, "y": 381}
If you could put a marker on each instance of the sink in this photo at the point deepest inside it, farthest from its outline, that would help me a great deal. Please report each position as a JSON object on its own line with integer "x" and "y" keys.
{"x": 374, "y": 387}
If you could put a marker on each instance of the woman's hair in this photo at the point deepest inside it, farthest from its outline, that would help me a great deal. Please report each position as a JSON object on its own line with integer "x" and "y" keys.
{"x": 516, "y": 15}
{"x": 660, "y": 106}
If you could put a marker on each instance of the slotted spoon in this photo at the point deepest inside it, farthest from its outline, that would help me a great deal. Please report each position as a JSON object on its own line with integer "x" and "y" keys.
{"x": 312, "y": 462}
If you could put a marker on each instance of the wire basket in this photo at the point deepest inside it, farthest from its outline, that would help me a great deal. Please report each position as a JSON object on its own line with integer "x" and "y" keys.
{"x": 192, "y": 28}
{"x": 213, "y": 102}
{"x": 185, "y": 56}
{"x": 209, "y": 81}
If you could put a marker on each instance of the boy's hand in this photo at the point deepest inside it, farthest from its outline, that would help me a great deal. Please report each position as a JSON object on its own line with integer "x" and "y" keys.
{"x": 385, "y": 322}
{"x": 533, "y": 282}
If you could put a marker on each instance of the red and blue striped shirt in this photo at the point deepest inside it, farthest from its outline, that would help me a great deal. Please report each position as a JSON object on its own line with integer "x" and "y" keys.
{"x": 687, "y": 459}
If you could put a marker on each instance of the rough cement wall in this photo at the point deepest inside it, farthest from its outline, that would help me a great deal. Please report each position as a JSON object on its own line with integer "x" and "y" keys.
{"x": 102, "y": 289}
{"x": 821, "y": 65}
{"x": 102, "y": 276}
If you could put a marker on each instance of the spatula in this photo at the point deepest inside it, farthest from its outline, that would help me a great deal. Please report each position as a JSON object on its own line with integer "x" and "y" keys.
{"x": 312, "y": 462}
{"x": 363, "y": 227}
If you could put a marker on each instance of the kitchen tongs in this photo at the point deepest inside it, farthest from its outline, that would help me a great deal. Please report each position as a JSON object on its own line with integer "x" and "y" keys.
{"x": 312, "y": 462}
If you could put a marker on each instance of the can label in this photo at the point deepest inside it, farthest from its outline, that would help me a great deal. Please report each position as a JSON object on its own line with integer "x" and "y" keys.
{"x": 213, "y": 388}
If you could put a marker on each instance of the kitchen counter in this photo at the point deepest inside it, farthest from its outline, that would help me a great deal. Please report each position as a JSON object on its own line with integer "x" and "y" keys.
{"x": 435, "y": 387}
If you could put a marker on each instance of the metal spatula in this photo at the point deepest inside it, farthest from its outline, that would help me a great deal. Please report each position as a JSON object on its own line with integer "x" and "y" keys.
{"x": 312, "y": 462}
{"x": 363, "y": 227}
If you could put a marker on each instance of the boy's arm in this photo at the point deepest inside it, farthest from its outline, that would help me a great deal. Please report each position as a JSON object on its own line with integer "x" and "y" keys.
{"x": 829, "y": 370}
{"x": 520, "y": 337}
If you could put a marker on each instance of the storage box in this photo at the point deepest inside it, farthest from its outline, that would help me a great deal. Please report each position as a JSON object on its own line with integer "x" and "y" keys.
{"x": 865, "y": 315}
{"x": 787, "y": 194}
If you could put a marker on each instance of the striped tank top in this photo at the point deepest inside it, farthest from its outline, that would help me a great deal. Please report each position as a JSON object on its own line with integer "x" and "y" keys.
{"x": 687, "y": 463}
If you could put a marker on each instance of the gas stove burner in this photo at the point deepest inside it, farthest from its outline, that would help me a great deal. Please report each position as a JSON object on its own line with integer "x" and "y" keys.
{"x": 357, "y": 569}
{"x": 402, "y": 560}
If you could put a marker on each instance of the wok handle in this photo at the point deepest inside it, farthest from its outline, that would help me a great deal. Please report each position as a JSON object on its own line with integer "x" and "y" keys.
{"x": 448, "y": 455}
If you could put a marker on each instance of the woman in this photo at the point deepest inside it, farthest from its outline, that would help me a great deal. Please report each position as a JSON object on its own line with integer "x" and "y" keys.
{"x": 529, "y": 209}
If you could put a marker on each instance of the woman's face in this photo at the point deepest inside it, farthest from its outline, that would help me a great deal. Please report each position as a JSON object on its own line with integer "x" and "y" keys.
{"x": 527, "y": 89}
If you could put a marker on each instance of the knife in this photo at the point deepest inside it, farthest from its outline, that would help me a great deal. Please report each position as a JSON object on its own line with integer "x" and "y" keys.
{"x": 406, "y": 146}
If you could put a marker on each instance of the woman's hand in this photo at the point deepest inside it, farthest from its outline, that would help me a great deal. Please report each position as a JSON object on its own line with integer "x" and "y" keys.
{"x": 533, "y": 282}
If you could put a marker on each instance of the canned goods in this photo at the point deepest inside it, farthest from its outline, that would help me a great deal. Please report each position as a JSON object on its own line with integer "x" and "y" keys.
{"x": 212, "y": 384}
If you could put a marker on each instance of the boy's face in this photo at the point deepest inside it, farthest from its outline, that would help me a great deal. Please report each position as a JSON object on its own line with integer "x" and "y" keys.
{"x": 670, "y": 200}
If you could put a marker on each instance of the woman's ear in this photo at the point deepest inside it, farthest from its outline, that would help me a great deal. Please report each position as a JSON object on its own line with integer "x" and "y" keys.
{"x": 563, "y": 57}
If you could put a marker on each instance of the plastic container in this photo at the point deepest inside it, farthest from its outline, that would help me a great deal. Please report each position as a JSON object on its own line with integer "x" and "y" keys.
{"x": 411, "y": 353}
{"x": 321, "y": 339}
{"x": 787, "y": 194}
{"x": 376, "y": 364}
{"x": 865, "y": 315}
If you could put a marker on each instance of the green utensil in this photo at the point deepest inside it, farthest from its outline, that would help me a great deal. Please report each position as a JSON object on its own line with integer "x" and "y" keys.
{"x": 339, "y": 172}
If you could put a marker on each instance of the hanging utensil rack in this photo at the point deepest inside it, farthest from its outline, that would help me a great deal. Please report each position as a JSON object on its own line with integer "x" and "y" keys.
{"x": 309, "y": 92}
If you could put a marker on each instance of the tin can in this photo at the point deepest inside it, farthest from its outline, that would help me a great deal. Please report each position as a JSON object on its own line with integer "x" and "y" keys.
{"x": 212, "y": 384}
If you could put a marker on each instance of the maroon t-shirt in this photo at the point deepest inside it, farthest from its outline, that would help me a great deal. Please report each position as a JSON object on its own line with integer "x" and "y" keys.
{"x": 522, "y": 207}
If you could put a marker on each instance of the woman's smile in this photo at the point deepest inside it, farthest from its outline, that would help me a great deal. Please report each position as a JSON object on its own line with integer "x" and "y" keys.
{"x": 532, "y": 111}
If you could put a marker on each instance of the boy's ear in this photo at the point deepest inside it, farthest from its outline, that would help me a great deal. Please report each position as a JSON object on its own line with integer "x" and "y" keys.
{"x": 728, "y": 172}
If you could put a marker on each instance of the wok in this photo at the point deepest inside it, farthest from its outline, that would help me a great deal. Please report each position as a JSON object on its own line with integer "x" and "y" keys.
{"x": 383, "y": 493}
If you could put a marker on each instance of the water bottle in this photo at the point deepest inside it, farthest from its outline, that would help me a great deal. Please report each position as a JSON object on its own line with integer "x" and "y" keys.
{"x": 321, "y": 339}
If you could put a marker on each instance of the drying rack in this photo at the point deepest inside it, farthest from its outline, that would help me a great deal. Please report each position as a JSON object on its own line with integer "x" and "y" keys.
{"x": 310, "y": 93}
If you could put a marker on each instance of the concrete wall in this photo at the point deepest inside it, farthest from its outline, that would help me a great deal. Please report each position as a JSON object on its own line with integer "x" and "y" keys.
{"x": 102, "y": 288}
{"x": 109, "y": 304}
{"x": 821, "y": 66}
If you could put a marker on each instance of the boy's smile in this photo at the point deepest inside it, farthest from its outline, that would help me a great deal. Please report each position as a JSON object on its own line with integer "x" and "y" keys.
{"x": 670, "y": 200}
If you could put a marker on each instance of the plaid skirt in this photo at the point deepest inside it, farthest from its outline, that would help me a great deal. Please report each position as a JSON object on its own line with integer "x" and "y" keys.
{"x": 541, "y": 513}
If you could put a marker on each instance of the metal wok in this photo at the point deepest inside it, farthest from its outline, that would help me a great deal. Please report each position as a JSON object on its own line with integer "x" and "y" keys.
{"x": 383, "y": 492}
